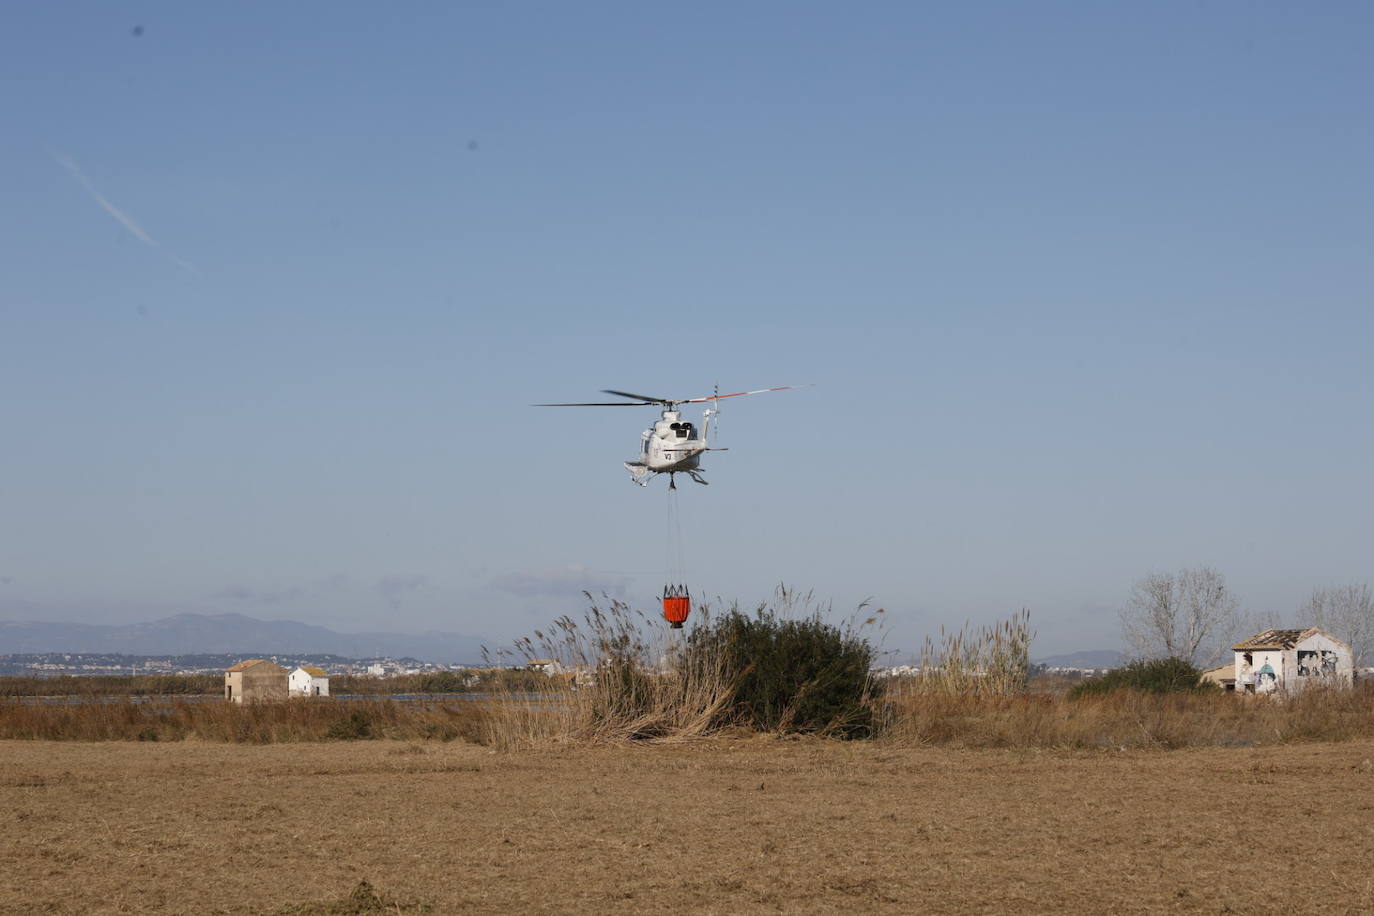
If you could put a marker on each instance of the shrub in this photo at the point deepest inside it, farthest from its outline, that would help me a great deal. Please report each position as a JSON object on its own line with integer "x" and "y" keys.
{"x": 1158, "y": 675}
{"x": 357, "y": 725}
{"x": 630, "y": 677}
{"x": 790, "y": 675}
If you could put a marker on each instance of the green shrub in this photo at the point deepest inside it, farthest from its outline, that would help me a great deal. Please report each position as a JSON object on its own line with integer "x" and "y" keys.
{"x": 357, "y": 725}
{"x": 1157, "y": 675}
{"x": 790, "y": 675}
{"x": 630, "y": 677}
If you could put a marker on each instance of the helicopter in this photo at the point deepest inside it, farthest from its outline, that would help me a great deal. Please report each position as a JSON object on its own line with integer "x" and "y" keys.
{"x": 671, "y": 446}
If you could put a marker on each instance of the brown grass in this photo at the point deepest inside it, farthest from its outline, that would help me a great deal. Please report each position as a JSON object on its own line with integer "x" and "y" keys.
{"x": 681, "y": 709}
{"x": 718, "y": 826}
{"x": 467, "y": 680}
{"x": 1125, "y": 718}
{"x": 112, "y": 685}
{"x": 471, "y": 680}
{"x": 252, "y": 723}
{"x": 606, "y": 711}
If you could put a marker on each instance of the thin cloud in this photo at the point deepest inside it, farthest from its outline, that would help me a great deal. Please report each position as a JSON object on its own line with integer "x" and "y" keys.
{"x": 124, "y": 219}
{"x": 394, "y": 588}
{"x": 313, "y": 589}
{"x": 259, "y": 596}
{"x": 568, "y": 580}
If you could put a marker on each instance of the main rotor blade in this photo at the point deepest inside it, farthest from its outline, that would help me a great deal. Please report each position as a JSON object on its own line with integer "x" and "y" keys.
{"x": 644, "y": 398}
{"x": 738, "y": 394}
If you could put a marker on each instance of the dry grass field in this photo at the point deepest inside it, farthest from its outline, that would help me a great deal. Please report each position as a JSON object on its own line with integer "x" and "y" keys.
{"x": 758, "y": 824}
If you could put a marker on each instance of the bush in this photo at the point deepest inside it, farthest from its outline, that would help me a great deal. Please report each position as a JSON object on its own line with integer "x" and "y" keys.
{"x": 629, "y": 677}
{"x": 1158, "y": 675}
{"x": 790, "y": 675}
{"x": 357, "y": 725}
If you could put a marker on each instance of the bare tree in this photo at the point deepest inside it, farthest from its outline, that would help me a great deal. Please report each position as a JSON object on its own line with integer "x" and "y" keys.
{"x": 1250, "y": 622}
{"x": 1347, "y": 613}
{"x": 1181, "y": 615}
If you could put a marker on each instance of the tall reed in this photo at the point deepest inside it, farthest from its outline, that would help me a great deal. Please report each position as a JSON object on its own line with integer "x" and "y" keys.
{"x": 627, "y": 676}
{"x": 253, "y": 723}
{"x": 1128, "y": 718}
{"x": 466, "y": 680}
{"x": 618, "y": 676}
{"x": 986, "y": 661}
{"x": 139, "y": 685}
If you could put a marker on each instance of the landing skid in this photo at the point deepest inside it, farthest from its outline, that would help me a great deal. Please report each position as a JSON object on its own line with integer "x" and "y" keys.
{"x": 672, "y": 478}
{"x": 641, "y": 475}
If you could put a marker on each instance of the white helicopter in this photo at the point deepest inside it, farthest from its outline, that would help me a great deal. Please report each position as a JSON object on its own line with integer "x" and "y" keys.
{"x": 671, "y": 445}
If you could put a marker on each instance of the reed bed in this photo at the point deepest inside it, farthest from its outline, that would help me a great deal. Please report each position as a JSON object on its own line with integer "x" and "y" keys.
{"x": 252, "y": 723}
{"x": 559, "y": 714}
{"x": 105, "y": 685}
{"x": 971, "y": 689}
{"x": 474, "y": 680}
{"x": 623, "y": 677}
{"x": 984, "y": 661}
{"x": 626, "y": 677}
{"x": 1124, "y": 719}
{"x": 466, "y": 680}
{"x": 783, "y": 669}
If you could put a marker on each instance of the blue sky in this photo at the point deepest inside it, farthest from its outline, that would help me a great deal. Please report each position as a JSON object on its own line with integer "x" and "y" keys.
{"x": 1084, "y": 290}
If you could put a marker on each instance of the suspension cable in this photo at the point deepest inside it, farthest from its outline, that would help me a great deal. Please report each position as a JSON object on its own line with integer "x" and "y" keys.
{"x": 674, "y": 564}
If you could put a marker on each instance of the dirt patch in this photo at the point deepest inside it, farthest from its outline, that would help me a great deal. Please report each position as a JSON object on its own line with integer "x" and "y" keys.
{"x": 720, "y": 826}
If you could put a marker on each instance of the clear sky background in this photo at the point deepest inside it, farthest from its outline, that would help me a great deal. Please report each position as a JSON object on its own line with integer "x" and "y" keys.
{"x": 1084, "y": 290}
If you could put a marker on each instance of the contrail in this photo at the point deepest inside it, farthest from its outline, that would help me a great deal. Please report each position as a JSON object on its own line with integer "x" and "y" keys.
{"x": 125, "y": 219}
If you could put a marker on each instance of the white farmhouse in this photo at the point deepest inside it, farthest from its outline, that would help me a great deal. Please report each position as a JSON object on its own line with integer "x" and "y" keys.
{"x": 308, "y": 682}
{"x": 548, "y": 666}
{"x": 1290, "y": 660}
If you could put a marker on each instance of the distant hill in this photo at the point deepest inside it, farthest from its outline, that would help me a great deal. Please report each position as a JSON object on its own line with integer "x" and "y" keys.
{"x": 215, "y": 634}
{"x": 1092, "y": 658}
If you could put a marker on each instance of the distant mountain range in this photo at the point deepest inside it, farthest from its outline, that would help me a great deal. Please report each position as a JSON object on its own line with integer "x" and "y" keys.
{"x": 1092, "y": 658}
{"x": 237, "y": 634}
{"x": 188, "y": 634}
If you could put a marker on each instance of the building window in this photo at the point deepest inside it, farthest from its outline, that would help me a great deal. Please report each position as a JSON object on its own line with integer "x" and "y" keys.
{"x": 1307, "y": 664}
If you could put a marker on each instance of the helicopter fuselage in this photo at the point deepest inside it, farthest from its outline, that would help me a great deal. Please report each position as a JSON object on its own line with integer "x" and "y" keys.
{"x": 672, "y": 445}
{"x": 669, "y": 446}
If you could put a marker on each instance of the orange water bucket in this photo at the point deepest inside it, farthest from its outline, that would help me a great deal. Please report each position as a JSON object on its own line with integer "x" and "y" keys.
{"x": 677, "y": 604}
